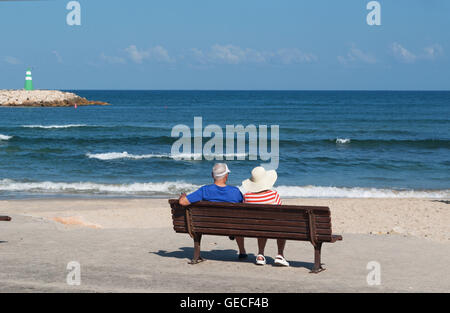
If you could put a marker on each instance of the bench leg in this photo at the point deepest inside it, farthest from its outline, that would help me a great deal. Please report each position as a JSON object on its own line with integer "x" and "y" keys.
{"x": 197, "y": 258}
{"x": 317, "y": 264}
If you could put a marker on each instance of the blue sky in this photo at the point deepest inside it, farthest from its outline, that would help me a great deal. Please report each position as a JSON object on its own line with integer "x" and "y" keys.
{"x": 210, "y": 44}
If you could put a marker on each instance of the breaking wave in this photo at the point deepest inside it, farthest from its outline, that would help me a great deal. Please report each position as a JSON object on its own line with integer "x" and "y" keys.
{"x": 163, "y": 188}
{"x": 180, "y": 156}
{"x": 342, "y": 140}
{"x": 176, "y": 187}
{"x": 4, "y": 137}
{"x": 123, "y": 155}
{"x": 358, "y": 192}
{"x": 55, "y": 126}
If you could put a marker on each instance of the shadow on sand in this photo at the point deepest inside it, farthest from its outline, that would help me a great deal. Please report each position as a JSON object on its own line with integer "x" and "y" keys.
{"x": 228, "y": 255}
{"x": 442, "y": 201}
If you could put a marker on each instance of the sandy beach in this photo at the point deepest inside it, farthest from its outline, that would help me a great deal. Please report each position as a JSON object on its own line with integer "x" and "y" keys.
{"x": 128, "y": 245}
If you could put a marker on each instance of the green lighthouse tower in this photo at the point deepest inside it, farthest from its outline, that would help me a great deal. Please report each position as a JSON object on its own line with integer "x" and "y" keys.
{"x": 28, "y": 80}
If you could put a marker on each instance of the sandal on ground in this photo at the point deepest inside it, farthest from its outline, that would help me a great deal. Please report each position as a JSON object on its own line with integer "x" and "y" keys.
{"x": 260, "y": 261}
{"x": 199, "y": 260}
{"x": 281, "y": 261}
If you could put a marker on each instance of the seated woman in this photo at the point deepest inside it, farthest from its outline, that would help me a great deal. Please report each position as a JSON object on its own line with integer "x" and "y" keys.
{"x": 259, "y": 190}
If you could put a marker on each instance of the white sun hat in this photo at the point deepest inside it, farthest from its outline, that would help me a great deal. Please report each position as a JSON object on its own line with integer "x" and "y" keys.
{"x": 261, "y": 180}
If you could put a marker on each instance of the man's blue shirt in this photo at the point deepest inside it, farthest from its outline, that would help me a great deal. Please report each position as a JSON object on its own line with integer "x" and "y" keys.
{"x": 216, "y": 194}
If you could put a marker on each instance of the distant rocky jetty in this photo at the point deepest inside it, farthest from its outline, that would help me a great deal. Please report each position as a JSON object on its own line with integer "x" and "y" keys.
{"x": 43, "y": 98}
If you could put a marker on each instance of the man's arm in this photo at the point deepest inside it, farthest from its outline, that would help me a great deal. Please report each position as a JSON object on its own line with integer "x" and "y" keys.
{"x": 183, "y": 200}
{"x": 196, "y": 196}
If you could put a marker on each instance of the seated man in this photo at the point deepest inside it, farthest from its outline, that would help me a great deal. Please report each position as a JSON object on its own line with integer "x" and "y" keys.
{"x": 217, "y": 192}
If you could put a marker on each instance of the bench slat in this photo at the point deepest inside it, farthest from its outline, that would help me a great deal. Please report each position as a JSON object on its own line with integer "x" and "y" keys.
{"x": 179, "y": 218}
{"x": 302, "y": 230}
{"x": 289, "y": 229}
{"x": 252, "y": 233}
{"x": 256, "y": 215}
{"x": 250, "y": 221}
{"x": 259, "y": 234}
{"x": 179, "y": 223}
{"x": 178, "y": 213}
{"x": 179, "y": 229}
{"x": 267, "y": 208}
{"x": 178, "y": 210}
{"x": 260, "y": 222}
{"x": 259, "y": 207}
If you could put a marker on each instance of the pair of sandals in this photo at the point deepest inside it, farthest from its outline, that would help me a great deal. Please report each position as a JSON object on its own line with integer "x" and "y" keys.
{"x": 279, "y": 260}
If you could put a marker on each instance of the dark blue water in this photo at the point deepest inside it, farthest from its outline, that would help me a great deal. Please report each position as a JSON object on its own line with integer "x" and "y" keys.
{"x": 362, "y": 143}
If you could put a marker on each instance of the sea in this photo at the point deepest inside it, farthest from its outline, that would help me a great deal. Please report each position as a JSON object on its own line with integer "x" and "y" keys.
{"x": 336, "y": 144}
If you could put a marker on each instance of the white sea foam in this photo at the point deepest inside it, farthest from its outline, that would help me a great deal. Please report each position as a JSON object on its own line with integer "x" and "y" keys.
{"x": 54, "y": 126}
{"x": 343, "y": 140}
{"x": 358, "y": 192}
{"x": 123, "y": 155}
{"x": 4, "y": 137}
{"x": 175, "y": 187}
{"x": 163, "y": 188}
{"x": 180, "y": 156}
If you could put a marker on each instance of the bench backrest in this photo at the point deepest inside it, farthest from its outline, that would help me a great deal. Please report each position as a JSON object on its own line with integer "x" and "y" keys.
{"x": 308, "y": 223}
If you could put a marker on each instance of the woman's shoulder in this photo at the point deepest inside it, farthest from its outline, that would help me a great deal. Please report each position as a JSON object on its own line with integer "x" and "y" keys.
{"x": 265, "y": 192}
{"x": 265, "y": 197}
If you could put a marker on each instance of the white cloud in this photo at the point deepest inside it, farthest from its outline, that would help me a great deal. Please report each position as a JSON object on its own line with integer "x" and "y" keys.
{"x": 357, "y": 55}
{"x": 113, "y": 59}
{"x": 433, "y": 51}
{"x": 158, "y": 53}
{"x": 430, "y": 53}
{"x": 12, "y": 60}
{"x": 136, "y": 55}
{"x": 290, "y": 56}
{"x": 231, "y": 54}
{"x": 234, "y": 55}
{"x": 161, "y": 54}
{"x": 402, "y": 53}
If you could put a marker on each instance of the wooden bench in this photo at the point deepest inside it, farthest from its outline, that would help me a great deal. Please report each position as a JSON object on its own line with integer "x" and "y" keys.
{"x": 303, "y": 223}
{"x": 5, "y": 218}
